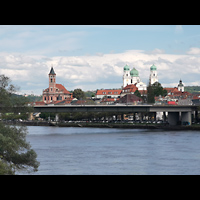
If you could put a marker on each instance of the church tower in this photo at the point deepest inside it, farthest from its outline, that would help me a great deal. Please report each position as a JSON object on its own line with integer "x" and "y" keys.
{"x": 153, "y": 75}
{"x": 52, "y": 83}
{"x": 180, "y": 86}
{"x": 126, "y": 76}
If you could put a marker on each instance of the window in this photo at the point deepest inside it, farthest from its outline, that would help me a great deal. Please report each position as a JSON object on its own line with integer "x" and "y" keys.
{"x": 51, "y": 89}
{"x": 51, "y": 80}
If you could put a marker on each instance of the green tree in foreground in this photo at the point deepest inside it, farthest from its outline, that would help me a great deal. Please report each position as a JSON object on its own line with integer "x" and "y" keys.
{"x": 15, "y": 152}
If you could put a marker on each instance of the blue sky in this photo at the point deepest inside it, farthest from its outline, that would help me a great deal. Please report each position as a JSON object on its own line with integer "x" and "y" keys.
{"x": 93, "y": 56}
{"x": 90, "y": 39}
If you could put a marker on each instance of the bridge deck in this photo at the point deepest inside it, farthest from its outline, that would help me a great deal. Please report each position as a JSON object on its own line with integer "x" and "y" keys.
{"x": 114, "y": 108}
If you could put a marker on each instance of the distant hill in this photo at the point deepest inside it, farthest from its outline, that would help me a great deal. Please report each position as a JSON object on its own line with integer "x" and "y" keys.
{"x": 192, "y": 89}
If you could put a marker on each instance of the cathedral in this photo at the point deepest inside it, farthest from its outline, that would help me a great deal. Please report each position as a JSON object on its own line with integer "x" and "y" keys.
{"x": 132, "y": 77}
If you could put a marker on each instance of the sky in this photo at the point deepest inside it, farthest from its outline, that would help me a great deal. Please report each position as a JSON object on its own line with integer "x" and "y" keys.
{"x": 92, "y": 57}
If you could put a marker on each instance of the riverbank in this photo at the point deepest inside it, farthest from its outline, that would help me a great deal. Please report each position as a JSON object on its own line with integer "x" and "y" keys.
{"x": 108, "y": 125}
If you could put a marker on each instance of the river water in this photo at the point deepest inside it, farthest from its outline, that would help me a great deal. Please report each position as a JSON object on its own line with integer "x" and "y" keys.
{"x": 114, "y": 151}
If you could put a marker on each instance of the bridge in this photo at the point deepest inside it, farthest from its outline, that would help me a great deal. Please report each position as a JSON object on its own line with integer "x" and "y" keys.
{"x": 175, "y": 113}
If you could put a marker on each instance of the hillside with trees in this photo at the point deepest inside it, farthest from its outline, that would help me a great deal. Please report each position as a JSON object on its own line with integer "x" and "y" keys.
{"x": 192, "y": 89}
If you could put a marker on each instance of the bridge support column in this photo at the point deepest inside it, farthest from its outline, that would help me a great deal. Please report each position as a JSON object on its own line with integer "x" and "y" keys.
{"x": 164, "y": 116}
{"x": 173, "y": 118}
{"x": 57, "y": 117}
{"x": 186, "y": 117}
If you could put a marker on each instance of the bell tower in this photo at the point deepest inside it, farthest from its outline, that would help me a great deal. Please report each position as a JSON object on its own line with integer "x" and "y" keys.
{"x": 52, "y": 83}
{"x": 126, "y": 76}
{"x": 180, "y": 86}
{"x": 153, "y": 75}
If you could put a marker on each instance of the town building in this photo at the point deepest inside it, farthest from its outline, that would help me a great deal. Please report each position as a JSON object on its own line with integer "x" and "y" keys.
{"x": 56, "y": 93}
{"x": 129, "y": 89}
{"x": 130, "y": 99}
{"x": 108, "y": 101}
{"x": 108, "y": 93}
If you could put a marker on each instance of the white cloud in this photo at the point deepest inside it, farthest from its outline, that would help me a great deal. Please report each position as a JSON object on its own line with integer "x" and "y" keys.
{"x": 194, "y": 51}
{"x": 30, "y": 72}
{"x": 156, "y": 51}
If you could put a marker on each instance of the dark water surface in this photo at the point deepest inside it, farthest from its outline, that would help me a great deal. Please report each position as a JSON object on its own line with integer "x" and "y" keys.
{"x": 115, "y": 151}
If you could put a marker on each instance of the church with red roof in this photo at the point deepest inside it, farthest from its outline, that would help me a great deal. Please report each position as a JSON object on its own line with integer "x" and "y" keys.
{"x": 55, "y": 92}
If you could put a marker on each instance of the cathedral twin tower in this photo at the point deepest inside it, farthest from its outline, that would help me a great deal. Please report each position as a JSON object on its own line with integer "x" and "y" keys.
{"x": 132, "y": 77}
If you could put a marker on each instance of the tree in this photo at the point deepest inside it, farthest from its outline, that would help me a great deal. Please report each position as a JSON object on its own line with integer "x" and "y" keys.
{"x": 158, "y": 89}
{"x": 137, "y": 93}
{"x": 150, "y": 95}
{"x": 15, "y": 153}
{"x": 155, "y": 90}
{"x": 79, "y": 94}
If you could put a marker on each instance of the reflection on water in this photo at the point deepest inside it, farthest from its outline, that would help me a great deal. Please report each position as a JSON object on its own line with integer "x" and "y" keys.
{"x": 115, "y": 151}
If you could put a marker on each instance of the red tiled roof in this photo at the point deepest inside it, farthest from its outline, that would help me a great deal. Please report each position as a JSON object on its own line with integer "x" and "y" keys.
{"x": 108, "y": 92}
{"x": 62, "y": 88}
{"x": 171, "y": 90}
{"x": 37, "y": 103}
{"x": 63, "y": 102}
{"x": 130, "y": 88}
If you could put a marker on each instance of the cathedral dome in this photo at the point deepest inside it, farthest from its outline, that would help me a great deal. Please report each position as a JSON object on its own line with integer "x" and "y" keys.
{"x": 126, "y": 68}
{"x": 134, "y": 73}
{"x": 153, "y": 68}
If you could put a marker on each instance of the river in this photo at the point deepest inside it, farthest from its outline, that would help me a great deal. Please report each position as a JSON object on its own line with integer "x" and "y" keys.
{"x": 105, "y": 151}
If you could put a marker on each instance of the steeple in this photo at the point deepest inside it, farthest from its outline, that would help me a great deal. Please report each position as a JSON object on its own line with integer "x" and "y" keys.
{"x": 52, "y": 81}
{"x": 52, "y": 72}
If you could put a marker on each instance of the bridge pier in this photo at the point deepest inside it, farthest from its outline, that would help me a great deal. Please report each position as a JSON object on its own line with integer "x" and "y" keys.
{"x": 186, "y": 117}
{"x": 173, "y": 118}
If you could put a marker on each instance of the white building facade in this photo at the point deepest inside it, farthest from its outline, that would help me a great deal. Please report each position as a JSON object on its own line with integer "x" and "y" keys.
{"x": 132, "y": 77}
